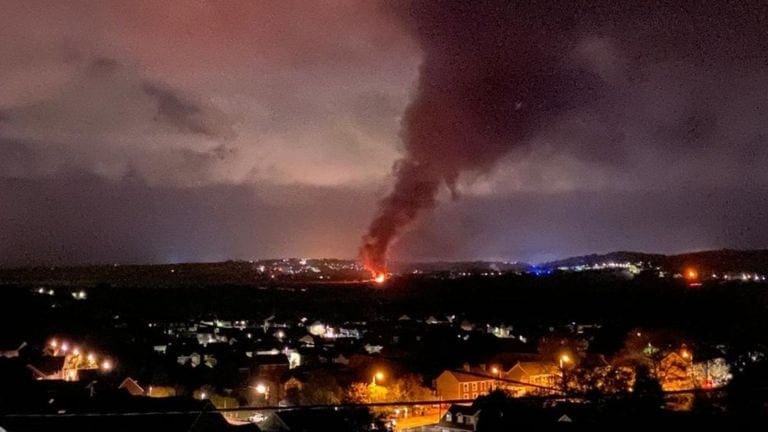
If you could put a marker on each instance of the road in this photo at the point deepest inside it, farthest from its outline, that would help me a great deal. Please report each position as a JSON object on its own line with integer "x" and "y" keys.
{"x": 413, "y": 422}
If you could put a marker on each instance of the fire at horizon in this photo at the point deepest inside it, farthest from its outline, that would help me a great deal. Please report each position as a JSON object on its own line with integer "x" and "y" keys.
{"x": 380, "y": 278}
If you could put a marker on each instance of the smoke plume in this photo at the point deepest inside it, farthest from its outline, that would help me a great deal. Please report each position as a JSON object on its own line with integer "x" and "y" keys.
{"x": 491, "y": 75}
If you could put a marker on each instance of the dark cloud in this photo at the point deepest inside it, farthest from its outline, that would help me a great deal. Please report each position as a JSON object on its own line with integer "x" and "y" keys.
{"x": 17, "y": 157}
{"x": 180, "y": 112}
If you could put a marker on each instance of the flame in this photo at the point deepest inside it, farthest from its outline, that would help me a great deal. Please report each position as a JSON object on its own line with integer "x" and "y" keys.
{"x": 378, "y": 271}
{"x": 691, "y": 274}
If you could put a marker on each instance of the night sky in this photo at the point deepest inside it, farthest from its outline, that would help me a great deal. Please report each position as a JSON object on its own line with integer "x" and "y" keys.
{"x": 153, "y": 132}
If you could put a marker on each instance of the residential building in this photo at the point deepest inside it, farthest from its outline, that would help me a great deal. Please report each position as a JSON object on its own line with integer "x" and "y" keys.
{"x": 458, "y": 418}
{"x": 454, "y": 385}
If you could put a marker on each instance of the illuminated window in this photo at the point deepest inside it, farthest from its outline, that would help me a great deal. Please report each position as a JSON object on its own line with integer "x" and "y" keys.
{"x": 466, "y": 387}
{"x": 474, "y": 386}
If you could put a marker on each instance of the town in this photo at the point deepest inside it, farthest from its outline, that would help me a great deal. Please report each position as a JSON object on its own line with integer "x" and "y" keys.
{"x": 423, "y": 352}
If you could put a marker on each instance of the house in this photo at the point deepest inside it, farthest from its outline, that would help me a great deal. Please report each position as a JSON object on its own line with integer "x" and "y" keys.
{"x": 12, "y": 350}
{"x": 454, "y": 385}
{"x": 271, "y": 364}
{"x": 458, "y": 418}
{"x": 307, "y": 341}
{"x": 132, "y": 387}
{"x": 48, "y": 368}
{"x": 191, "y": 416}
{"x": 532, "y": 376}
{"x": 192, "y": 359}
{"x": 293, "y": 382}
{"x": 711, "y": 373}
{"x": 674, "y": 371}
{"x": 340, "y": 359}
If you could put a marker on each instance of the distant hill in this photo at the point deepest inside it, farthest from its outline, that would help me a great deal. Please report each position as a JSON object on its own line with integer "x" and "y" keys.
{"x": 459, "y": 266}
{"x": 722, "y": 260}
{"x": 329, "y": 270}
{"x": 618, "y": 257}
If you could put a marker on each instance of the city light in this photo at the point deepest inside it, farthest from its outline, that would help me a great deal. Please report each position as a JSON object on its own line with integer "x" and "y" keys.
{"x": 564, "y": 359}
{"x": 76, "y": 351}
{"x": 261, "y": 389}
{"x": 106, "y": 365}
{"x": 64, "y": 347}
{"x": 53, "y": 343}
{"x": 380, "y": 278}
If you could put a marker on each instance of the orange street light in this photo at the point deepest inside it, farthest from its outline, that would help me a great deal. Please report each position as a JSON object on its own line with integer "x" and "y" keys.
{"x": 53, "y": 343}
{"x": 564, "y": 359}
{"x": 106, "y": 365}
{"x": 76, "y": 351}
{"x": 262, "y": 389}
{"x": 686, "y": 354}
{"x": 378, "y": 376}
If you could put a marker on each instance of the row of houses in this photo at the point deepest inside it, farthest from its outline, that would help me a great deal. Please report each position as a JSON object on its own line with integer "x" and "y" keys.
{"x": 675, "y": 371}
{"x": 523, "y": 378}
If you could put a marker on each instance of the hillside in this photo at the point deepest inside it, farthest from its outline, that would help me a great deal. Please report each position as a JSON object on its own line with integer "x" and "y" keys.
{"x": 719, "y": 261}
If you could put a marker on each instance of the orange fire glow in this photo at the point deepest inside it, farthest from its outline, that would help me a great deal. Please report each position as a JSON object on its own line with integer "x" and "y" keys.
{"x": 691, "y": 274}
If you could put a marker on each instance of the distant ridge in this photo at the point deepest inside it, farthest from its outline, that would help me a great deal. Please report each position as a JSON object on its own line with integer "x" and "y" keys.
{"x": 721, "y": 260}
{"x": 618, "y": 256}
{"x": 459, "y": 266}
{"x": 329, "y": 270}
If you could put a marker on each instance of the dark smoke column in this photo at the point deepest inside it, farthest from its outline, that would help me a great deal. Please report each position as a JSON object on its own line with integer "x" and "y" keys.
{"x": 490, "y": 76}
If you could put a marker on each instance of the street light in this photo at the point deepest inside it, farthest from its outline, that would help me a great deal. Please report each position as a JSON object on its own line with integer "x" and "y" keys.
{"x": 686, "y": 354}
{"x": 564, "y": 360}
{"x": 106, "y": 365}
{"x": 262, "y": 389}
{"x": 496, "y": 371}
{"x": 378, "y": 376}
